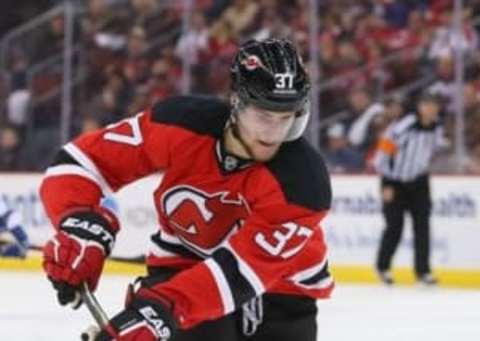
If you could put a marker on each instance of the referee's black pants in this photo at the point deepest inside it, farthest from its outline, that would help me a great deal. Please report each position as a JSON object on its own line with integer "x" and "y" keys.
{"x": 413, "y": 197}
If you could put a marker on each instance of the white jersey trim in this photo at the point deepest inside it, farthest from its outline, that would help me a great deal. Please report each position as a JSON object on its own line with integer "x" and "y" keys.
{"x": 322, "y": 284}
{"x": 137, "y": 325}
{"x": 222, "y": 284}
{"x": 73, "y": 170}
{"x": 309, "y": 272}
{"x": 170, "y": 238}
{"x": 88, "y": 164}
{"x": 157, "y": 251}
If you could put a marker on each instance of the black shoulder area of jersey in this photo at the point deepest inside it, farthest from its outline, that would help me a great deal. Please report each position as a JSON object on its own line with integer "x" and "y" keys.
{"x": 302, "y": 175}
{"x": 200, "y": 114}
{"x": 63, "y": 158}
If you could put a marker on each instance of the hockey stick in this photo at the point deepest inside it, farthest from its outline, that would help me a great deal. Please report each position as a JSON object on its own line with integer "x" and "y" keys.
{"x": 97, "y": 312}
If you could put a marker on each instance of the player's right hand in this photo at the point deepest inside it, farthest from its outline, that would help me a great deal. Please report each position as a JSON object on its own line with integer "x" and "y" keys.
{"x": 76, "y": 253}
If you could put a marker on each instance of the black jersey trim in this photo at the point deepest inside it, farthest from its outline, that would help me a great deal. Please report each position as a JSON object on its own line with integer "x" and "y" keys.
{"x": 302, "y": 175}
{"x": 228, "y": 162}
{"x": 64, "y": 158}
{"x": 180, "y": 250}
{"x": 321, "y": 275}
{"x": 201, "y": 114}
{"x": 239, "y": 285}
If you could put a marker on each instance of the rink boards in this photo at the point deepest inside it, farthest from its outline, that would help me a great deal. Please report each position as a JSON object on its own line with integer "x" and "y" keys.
{"x": 352, "y": 227}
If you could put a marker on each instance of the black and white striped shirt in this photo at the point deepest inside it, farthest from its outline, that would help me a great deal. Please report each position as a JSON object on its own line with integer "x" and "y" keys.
{"x": 406, "y": 149}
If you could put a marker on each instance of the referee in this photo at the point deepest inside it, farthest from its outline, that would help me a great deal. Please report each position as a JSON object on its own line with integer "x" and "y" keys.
{"x": 404, "y": 153}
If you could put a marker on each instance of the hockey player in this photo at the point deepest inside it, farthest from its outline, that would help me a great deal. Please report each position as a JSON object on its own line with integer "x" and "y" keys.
{"x": 239, "y": 252}
{"x": 13, "y": 238}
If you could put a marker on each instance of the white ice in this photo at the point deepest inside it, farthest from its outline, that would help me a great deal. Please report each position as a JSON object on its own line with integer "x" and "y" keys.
{"x": 29, "y": 312}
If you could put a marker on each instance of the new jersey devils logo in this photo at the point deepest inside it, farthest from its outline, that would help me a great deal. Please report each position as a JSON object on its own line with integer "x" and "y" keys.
{"x": 252, "y": 62}
{"x": 202, "y": 219}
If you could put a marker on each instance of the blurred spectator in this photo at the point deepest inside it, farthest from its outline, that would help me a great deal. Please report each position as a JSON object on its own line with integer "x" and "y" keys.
{"x": 327, "y": 52}
{"x": 472, "y": 165}
{"x": 471, "y": 102}
{"x": 444, "y": 85}
{"x": 19, "y": 98}
{"x": 10, "y": 150}
{"x": 392, "y": 111}
{"x": 445, "y": 38}
{"x": 445, "y": 161}
{"x": 173, "y": 67}
{"x": 112, "y": 38}
{"x": 272, "y": 26}
{"x": 296, "y": 16}
{"x": 98, "y": 15}
{"x": 140, "y": 101}
{"x": 340, "y": 157}
{"x": 223, "y": 44}
{"x": 50, "y": 43}
{"x": 114, "y": 97}
{"x": 89, "y": 124}
{"x": 240, "y": 15}
{"x": 360, "y": 130}
{"x": 137, "y": 63}
{"x": 347, "y": 59}
{"x": 14, "y": 241}
{"x": 160, "y": 85}
{"x": 396, "y": 12}
{"x": 193, "y": 44}
{"x": 154, "y": 17}
{"x": 359, "y": 99}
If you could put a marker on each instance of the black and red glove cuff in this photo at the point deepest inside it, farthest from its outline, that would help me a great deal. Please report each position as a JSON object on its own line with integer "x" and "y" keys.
{"x": 95, "y": 224}
{"x": 140, "y": 310}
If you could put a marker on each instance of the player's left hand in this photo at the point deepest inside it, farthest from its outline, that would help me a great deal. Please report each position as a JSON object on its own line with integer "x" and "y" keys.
{"x": 143, "y": 319}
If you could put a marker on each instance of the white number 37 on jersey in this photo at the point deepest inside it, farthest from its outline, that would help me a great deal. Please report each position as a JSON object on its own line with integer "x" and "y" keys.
{"x": 276, "y": 246}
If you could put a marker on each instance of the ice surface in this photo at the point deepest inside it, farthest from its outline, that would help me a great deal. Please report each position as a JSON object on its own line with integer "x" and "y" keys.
{"x": 29, "y": 312}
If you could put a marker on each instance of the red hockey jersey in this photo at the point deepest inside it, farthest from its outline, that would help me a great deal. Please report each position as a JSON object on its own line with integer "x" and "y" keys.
{"x": 235, "y": 228}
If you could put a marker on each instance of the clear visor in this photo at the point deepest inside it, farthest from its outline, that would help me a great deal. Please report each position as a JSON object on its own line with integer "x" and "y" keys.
{"x": 264, "y": 125}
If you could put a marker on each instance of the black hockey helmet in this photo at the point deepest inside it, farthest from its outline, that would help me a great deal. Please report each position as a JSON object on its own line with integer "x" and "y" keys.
{"x": 270, "y": 74}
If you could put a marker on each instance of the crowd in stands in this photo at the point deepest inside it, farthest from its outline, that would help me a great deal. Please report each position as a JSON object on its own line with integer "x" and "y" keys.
{"x": 376, "y": 57}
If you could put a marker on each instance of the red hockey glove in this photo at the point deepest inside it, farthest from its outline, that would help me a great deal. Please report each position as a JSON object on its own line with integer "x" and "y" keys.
{"x": 78, "y": 250}
{"x": 144, "y": 319}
